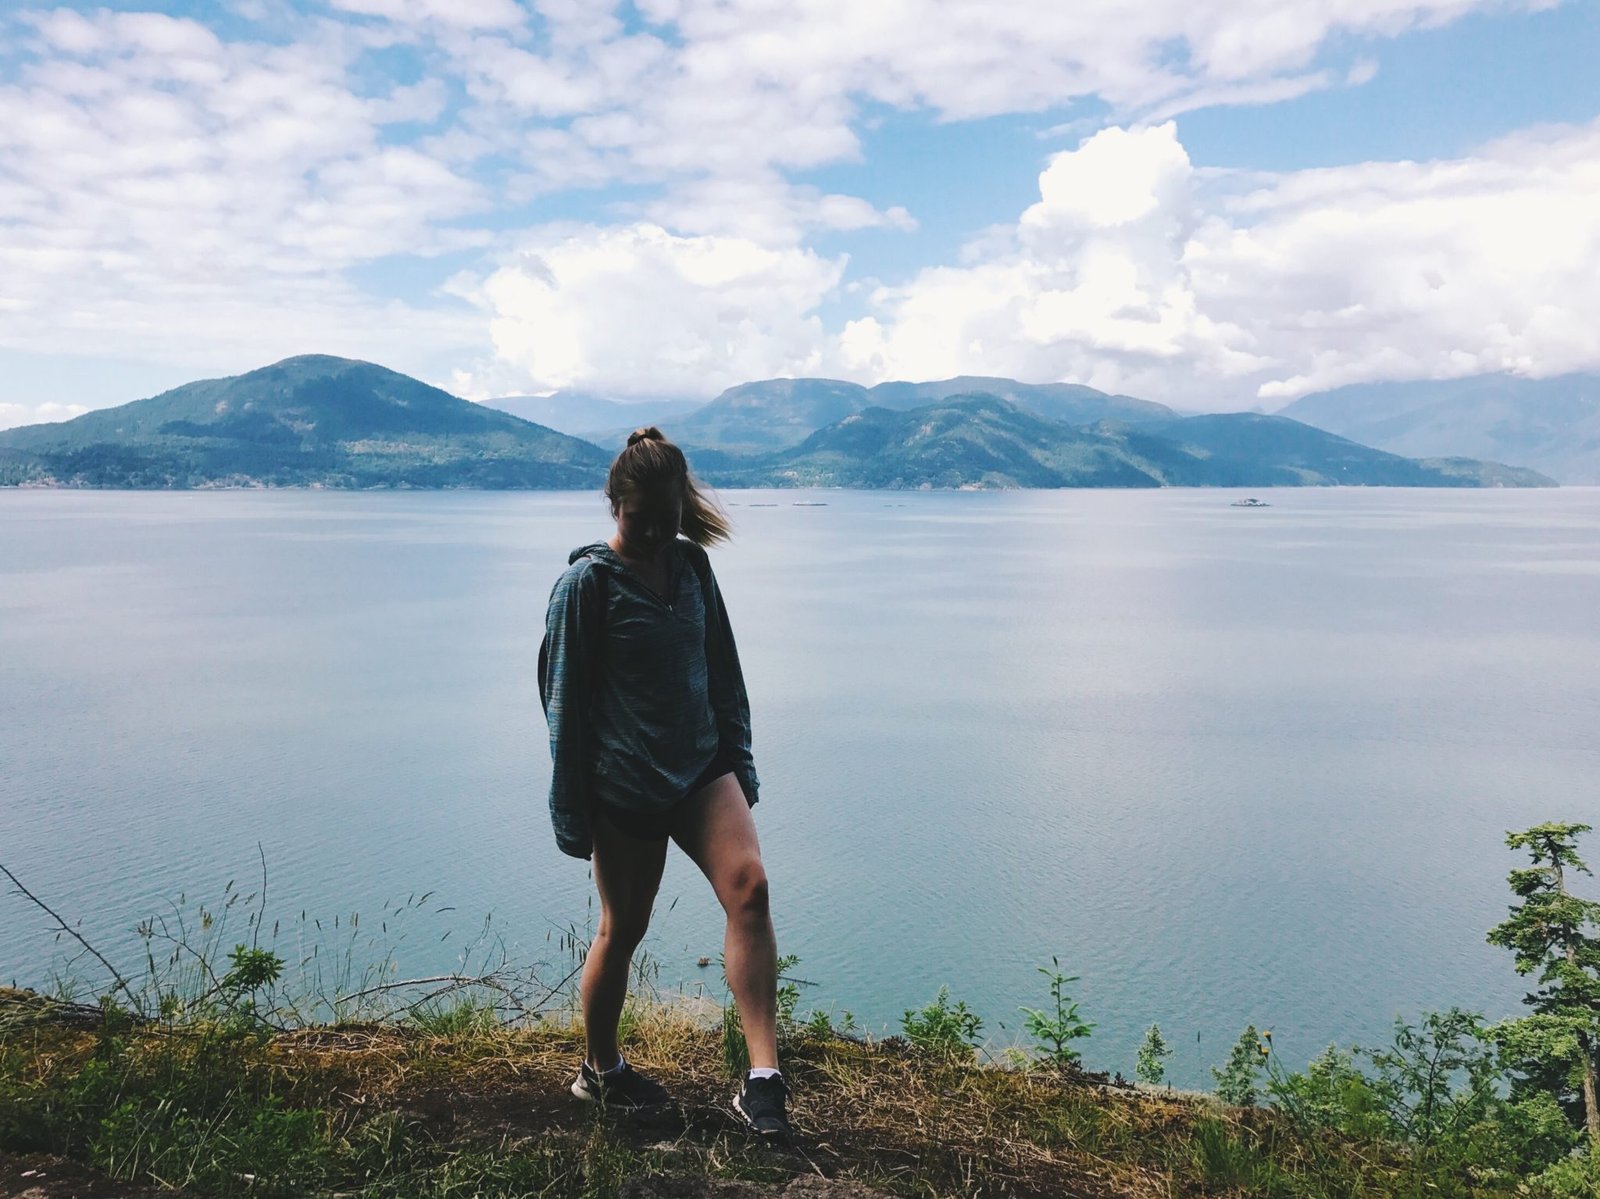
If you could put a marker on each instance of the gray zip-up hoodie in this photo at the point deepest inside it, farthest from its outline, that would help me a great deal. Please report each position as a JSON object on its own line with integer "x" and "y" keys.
{"x": 640, "y": 690}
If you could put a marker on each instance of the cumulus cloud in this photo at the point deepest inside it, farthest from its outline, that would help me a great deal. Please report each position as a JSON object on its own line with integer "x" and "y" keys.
{"x": 638, "y": 308}
{"x": 1418, "y": 270}
{"x": 1128, "y": 276}
{"x": 719, "y": 89}
{"x": 170, "y": 194}
{"x": 1091, "y": 285}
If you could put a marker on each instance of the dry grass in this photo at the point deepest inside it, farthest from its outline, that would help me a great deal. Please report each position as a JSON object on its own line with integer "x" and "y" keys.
{"x": 878, "y": 1113}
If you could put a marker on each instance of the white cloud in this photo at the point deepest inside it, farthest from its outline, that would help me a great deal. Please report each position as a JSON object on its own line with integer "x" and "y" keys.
{"x": 764, "y": 208}
{"x": 1437, "y": 269}
{"x": 638, "y": 308}
{"x": 168, "y": 194}
{"x": 1124, "y": 277}
{"x": 461, "y": 14}
{"x": 13, "y": 415}
{"x": 723, "y": 89}
{"x": 1091, "y": 285}
{"x": 173, "y": 194}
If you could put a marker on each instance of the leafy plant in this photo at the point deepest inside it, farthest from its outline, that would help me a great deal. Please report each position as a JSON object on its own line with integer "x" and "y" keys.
{"x": 940, "y": 1027}
{"x": 788, "y": 992}
{"x": 1332, "y": 1092}
{"x": 1054, "y": 1031}
{"x": 1436, "y": 1078}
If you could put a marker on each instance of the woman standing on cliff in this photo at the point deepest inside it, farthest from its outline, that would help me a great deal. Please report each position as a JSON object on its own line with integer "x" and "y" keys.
{"x": 650, "y": 736}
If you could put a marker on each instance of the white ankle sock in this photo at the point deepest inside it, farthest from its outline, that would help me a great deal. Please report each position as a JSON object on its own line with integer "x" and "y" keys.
{"x": 763, "y": 1072}
{"x": 617, "y": 1069}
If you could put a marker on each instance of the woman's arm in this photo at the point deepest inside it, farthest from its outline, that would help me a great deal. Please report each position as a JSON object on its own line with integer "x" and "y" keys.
{"x": 726, "y": 683}
{"x": 568, "y": 675}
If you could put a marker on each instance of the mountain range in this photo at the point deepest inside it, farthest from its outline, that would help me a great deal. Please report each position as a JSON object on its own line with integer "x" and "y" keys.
{"x": 776, "y": 413}
{"x": 1551, "y": 425}
{"x": 982, "y": 440}
{"x": 332, "y": 422}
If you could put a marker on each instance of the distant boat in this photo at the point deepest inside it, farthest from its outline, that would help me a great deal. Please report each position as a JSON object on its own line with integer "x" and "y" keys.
{"x": 1251, "y": 502}
{"x": 810, "y": 504}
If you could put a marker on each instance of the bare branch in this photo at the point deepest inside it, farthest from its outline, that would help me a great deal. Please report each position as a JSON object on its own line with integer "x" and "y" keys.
{"x": 122, "y": 983}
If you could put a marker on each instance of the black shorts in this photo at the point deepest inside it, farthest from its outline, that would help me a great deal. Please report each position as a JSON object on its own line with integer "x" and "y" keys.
{"x": 658, "y": 826}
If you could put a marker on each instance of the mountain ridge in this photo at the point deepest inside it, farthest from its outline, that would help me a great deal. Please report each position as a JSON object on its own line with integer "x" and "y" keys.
{"x": 983, "y": 440}
{"x": 321, "y": 421}
{"x": 310, "y": 420}
{"x": 1550, "y": 424}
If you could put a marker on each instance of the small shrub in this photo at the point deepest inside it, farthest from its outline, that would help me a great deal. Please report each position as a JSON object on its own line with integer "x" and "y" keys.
{"x": 1571, "y": 1178}
{"x": 1236, "y": 1080}
{"x": 1151, "y": 1066}
{"x": 1053, "y": 1031}
{"x": 941, "y": 1028}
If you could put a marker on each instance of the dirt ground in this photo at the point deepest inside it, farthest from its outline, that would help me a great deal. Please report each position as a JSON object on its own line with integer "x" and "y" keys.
{"x": 41, "y": 1176}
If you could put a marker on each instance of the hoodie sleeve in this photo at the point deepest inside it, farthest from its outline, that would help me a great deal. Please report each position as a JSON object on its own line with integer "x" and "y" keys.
{"x": 726, "y": 680}
{"x": 569, "y": 661}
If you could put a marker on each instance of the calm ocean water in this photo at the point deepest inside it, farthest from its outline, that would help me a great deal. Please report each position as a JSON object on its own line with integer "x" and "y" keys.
{"x": 1226, "y": 765}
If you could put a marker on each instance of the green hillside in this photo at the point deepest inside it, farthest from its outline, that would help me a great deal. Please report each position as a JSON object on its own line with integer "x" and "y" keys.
{"x": 971, "y": 441}
{"x": 306, "y": 421}
{"x": 985, "y": 441}
{"x": 774, "y": 414}
{"x": 769, "y": 414}
{"x": 1068, "y": 403}
{"x": 1244, "y": 449}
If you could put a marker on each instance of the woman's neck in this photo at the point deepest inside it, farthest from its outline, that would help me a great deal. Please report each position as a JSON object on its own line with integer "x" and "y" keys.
{"x": 654, "y": 562}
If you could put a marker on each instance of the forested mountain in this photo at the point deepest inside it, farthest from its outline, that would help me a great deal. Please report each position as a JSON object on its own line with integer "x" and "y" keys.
{"x": 984, "y": 441}
{"x": 1069, "y": 403}
{"x": 306, "y": 421}
{"x": 1551, "y": 425}
{"x": 776, "y": 413}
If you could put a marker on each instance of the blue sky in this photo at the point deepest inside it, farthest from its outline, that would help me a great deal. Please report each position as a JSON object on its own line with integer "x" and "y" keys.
{"x": 1213, "y": 203}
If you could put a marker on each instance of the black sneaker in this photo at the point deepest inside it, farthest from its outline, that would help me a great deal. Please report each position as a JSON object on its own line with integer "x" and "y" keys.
{"x": 761, "y": 1104}
{"x": 624, "y": 1089}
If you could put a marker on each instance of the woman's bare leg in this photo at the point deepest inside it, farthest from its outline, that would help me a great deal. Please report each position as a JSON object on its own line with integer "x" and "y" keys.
{"x": 719, "y": 835}
{"x": 627, "y": 873}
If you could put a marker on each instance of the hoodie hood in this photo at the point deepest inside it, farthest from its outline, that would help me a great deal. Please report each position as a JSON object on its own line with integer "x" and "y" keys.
{"x": 599, "y": 551}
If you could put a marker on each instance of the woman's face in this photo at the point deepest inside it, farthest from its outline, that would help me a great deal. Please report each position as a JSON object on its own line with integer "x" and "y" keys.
{"x": 648, "y": 522}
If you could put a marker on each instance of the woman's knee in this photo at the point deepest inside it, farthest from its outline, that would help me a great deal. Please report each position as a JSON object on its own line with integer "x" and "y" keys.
{"x": 623, "y": 931}
{"x": 745, "y": 892}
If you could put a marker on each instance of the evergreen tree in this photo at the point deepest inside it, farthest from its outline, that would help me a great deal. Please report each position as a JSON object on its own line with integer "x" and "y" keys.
{"x": 1554, "y": 932}
{"x": 1151, "y": 1067}
{"x": 1236, "y": 1080}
